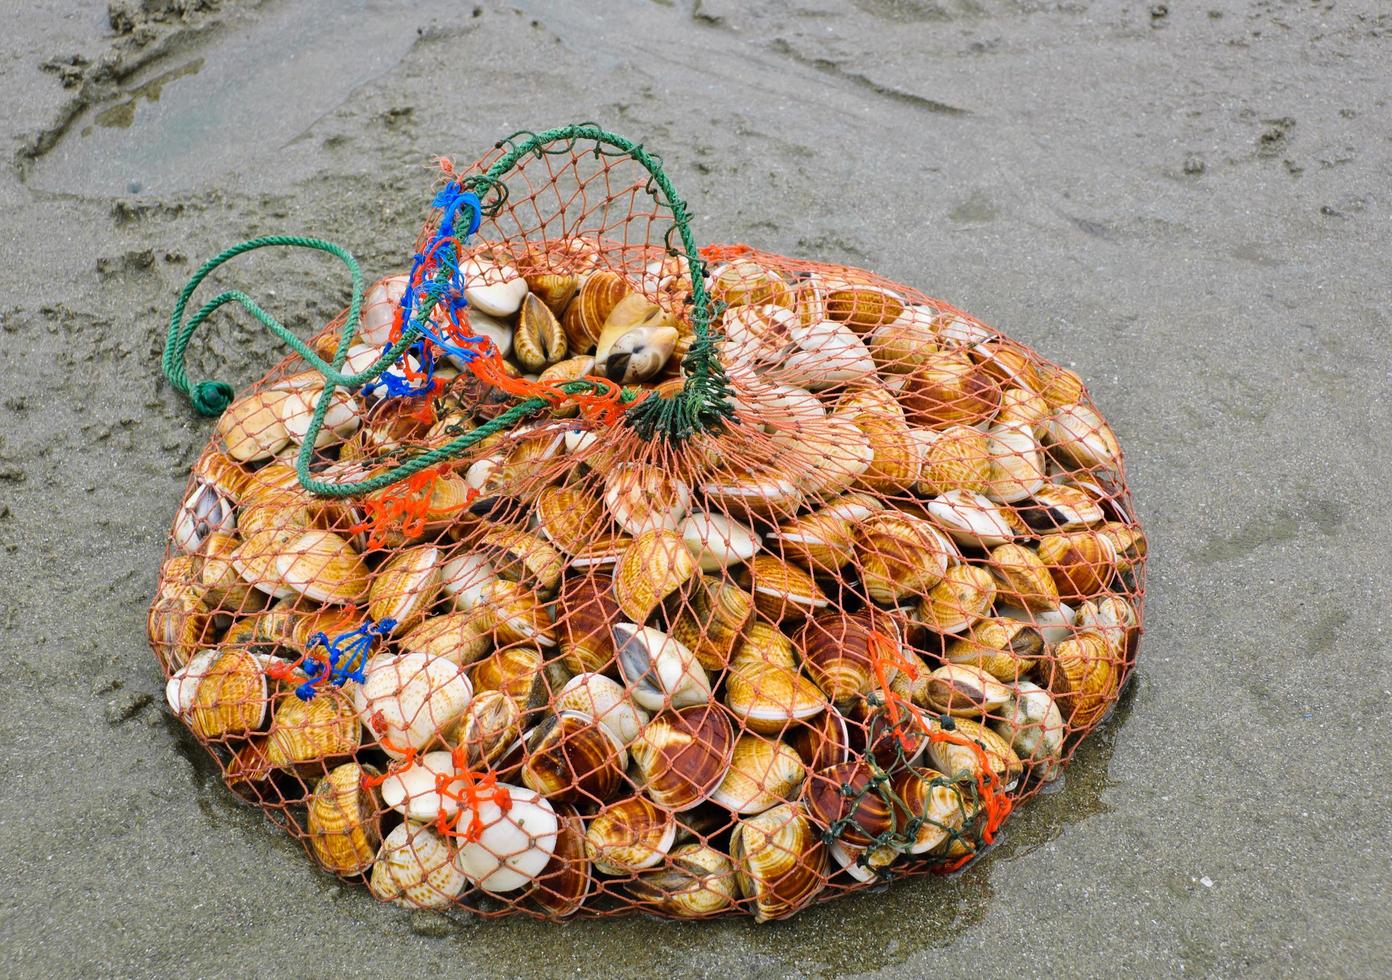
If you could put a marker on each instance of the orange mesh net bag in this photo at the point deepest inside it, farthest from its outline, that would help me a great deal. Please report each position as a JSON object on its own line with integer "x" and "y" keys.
{"x": 581, "y": 571}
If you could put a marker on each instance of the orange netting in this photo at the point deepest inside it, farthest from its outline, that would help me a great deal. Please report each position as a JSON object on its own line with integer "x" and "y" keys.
{"x": 579, "y": 672}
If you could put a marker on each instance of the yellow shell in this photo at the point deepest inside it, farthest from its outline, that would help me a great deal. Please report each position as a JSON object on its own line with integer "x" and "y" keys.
{"x": 538, "y": 339}
{"x": 1083, "y": 677}
{"x": 712, "y": 620}
{"x": 963, "y": 596}
{"x": 572, "y": 518}
{"x": 222, "y": 587}
{"x": 629, "y": 835}
{"x": 322, "y": 566}
{"x": 928, "y": 796}
{"x": 780, "y": 860}
{"x": 896, "y": 455}
{"x": 955, "y": 760}
{"x": 584, "y": 317}
{"x": 822, "y": 539}
{"x": 641, "y": 497}
{"x": 1024, "y": 579}
{"x": 903, "y": 344}
{"x": 178, "y": 624}
{"x": 1127, "y": 541}
{"x": 1021, "y": 407}
{"x": 762, "y": 774}
{"x": 489, "y": 727}
{"x": 523, "y": 557}
{"x": 344, "y": 830}
{"x": 901, "y": 555}
{"x": 1058, "y": 386}
{"x": 768, "y": 698}
{"x": 256, "y": 559}
{"x": 1004, "y": 648}
{"x": 863, "y": 307}
{"x": 950, "y": 388}
{"x": 955, "y": 458}
{"x": 406, "y": 587}
{"x": 656, "y": 565}
{"x": 459, "y": 637}
{"x": 1081, "y": 563}
{"x": 251, "y": 427}
{"x": 517, "y": 614}
{"x": 415, "y": 869}
{"x": 783, "y": 591}
{"x": 231, "y": 698}
{"x": 324, "y": 727}
{"x": 515, "y": 671}
{"x": 744, "y": 283}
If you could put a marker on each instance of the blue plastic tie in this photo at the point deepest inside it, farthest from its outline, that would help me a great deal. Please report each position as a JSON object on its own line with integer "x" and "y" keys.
{"x": 347, "y": 656}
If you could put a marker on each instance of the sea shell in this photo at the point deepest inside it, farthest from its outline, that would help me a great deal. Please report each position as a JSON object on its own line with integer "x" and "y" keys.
{"x": 762, "y": 491}
{"x": 183, "y": 683}
{"x": 405, "y": 701}
{"x": 780, "y": 860}
{"x": 1127, "y": 541}
{"x": 1032, "y": 724}
{"x": 821, "y": 741}
{"x": 955, "y": 458}
{"x": 341, "y": 418}
{"x": 634, "y": 312}
{"x": 405, "y": 587}
{"x": 514, "y": 846}
{"x": 822, "y": 539}
{"x": 584, "y": 318}
{"x": 902, "y": 345}
{"x": 823, "y": 355}
{"x": 1061, "y": 507}
{"x": 712, "y": 620}
{"x": 325, "y": 727}
{"x": 642, "y": 497}
{"x": 762, "y": 774}
{"x": 572, "y": 758}
{"x": 680, "y": 756}
{"x": 660, "y": 671}
{"x": 1021, "y": 407}
{"x": 585, "y": 615}
{"x": 862, "y": 864}
{"x": 1082, "y": 676}
{"x": 656, "y": 565}
{"x": 1053, "y": 624}
{"x": 343, "y": 822}
{"x": 251, "y": 428}
{"x": 324, "y": 567}
{"x": 538, "y": 340}
{"x": 564, "y": 884}
{"x": 178, "y": 624}
{"x": 1081, "y": 563}
{"x": 1008, "y": 364}
{"x": 380, "y": 305}
{"x": 835, "y": 651}
{"x": 1004, "y": 648}
{"x": 205, "y": 511}
{"x": 415, "y": 869}
{"x": 1112, "y": 616}
{"x": 605, "y": 700}
{"x": 1023, "y": 577}
{"x": 783, "y": 591}
{"x": 695, "y": 881}
{"x": 488, "y": 727}
{"x": 518, "y": 555}
{"x": 717, "y": 541}
{"x": 768, "y": 698}
{"x": 844, "y": 797}
{"x": 964, "y": 691}
{"x": 1016, "y": 464}
{"x": 571, "y": 518}
{"x": 949, "y": 389}
{"x": 256, "y": 559}
{"x": 901, "y": 555}
{"x": 958, "y": 760}
{"x": 971, "y": 518}
{"x": 1078, "y": 434}
{"x": 746, "y": 283}
{"x": 517, "y": 671}
{"x": 518, "y": 614}
{"x": 756, "y": 334}
{"x": 629, "y": 836}
{"x": 822, "y": 458}
{"x": 963, "y": 596}
{"x": 465, "y": 577}
{"x": 863, "y": 307}
{"x": 414, "y": 790}
{"x": 493, "y": 288}
{"x": 554, "y": 286}
{"x": 1059, "y": 386}
{"x": 776, "y": 407}
{"x": 930, "y": 798}
{"x": 231, "y": 698}
{"x": 222, "y": 586}
{"x": 459, "y": 637}
{"x": 638, "y": 354}
{"x": 896, "y": 456}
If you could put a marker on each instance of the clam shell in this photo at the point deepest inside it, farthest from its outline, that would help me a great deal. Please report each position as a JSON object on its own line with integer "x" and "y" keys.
{"x": 517, "y": 671}
{"x": 572, "y": 518}
{"x": 223, "y": 587}
{"x": 955, "y": 458}
{"x": 1007, "y": 363}
{"x": 414, "y": 790}
{"x": 1083, "y": 676}
{"x": 520, "y": 556}
{"x": 1081, "y": 563}
{"x": 656, "y": 565}
{"x": 1059, "y": 507}
{"x": 963, "y": 596}
{"x": 572, "y": 758}
{"x": 324, "y": 567}
{"x": 642, "y": 497}
{"x": 762, "y": 774}
{"x": 1058, "y": 386}
{"x": 629, "y": 836}
{"x": 179, "y": 624}
{"x": 716, "y": 541}
{"x": 564, "y": 884}
{"x": 1112, "y": 616}
{"x": 488, "y": 727}
{"x": 256, "y": 559}
{"x": 1127, "y": 541}
{"x": 756, "y": 334}
{"x": 822, "y": 539}
{"x": 405, "y": 587}
{"x": 861, "y": 864}
{"x": 555, "y": 289}
{"x": 514, "y": 846}
{"x": 901, "y": 555}
{"x": 1032, "y": 724}
{"x": 863, "y": 307}
{"x": 518, "y": 614}
{"x": 251, "y": 428}
{"x": 223, "y": 474}
{"x": 465, "y": 577}
{"x": 638, "y": 354}
{"x": 205, "y": 511}
{"x": 961, "y": 761}
{"x": 460, "y": 637}
{"x": 821, "y": 459}
{"x": 822, "y": 741}
{"x": 585, "y": 616}
{"x": 825, "y": 354}
{"x": 538, "y": 340}
{"x": 896, "y": 455}
{"x": 930, "y": 798}
{"x": 181, "y": 686}
{"x": 405, "y": 701}
{"x": 341, "y": 418}
{"x": 492, "y": 287}
{"x": 605, "y": 700}
{"x": 902, "y": 345}
{"x": 835, "y": 651}
{"x": 780, "y": 861}
{"x": 1053, "y": 624}
{"x": 949, "y": 388}
{"x": 632, "y": 313}
{"x": 1080, "y": 436}
{"x": 746, "y": 283}
{"x": 1021, "y": 407}
{"x": 695, "y": 881}
{"x": 972, "y": 519}
{"x": 681, "y": 756}
{"x": 325, "y": 727}
{"x": 764, "y": 645}
{"x": 843, "y": 797}
{"x": 380, "y": 305}
{"x": 763, "y": 491}
{"x": 231, "y": 698}
{"x": 1023, "y": 577}
{"x": 584, "y": 318}
{"x": 767, "y": 699}
{"x": 659, "y": 670}
{"x": 712, "y": 620}
{"x": 783, "y": 591}
{"x": 344, "y": 828}
{"x": 964, "y": 691}
{"x": 1004, "y": 648}
{"x": 414, "y": 869}
{"x": 1016, "y": 464}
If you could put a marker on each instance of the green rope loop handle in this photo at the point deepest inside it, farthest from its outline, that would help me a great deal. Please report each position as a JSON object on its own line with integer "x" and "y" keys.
{"x": 703, "y": 404}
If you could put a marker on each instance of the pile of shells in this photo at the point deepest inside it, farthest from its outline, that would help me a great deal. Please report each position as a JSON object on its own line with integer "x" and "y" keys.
{"x": 666, "y": 659}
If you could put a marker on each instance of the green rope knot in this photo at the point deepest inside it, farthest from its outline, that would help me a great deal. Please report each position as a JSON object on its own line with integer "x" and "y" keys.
{"x": 211, "y": 398}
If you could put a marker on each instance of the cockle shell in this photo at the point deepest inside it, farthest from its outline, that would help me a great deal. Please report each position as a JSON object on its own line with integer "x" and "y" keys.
{"x": 963, "y": 596}
{"x": 929, "y": 797}
{"x": 256, "y": 559}
{"x": 904, "y": 344}
{"x": 538, "y": 340}
{"x": 585, "y": 615}
{"x": 223, "y": 587}
{"x": 642, "y": 497}
{"x": 1016, "y": 464}
{"x": 230, "y": 698}
{"x": 1053, "y": 624}
{"x": 1008, "y": 363}
{"x": 517, "y": 614}
{"x": 341, "y": 418}
{"x": 405, "y": 587}
{"x": 1127, "y": 541}
{"x": 178, "y": 624}
{"x": 762, "y": 774}
{"x": 1061, "y": 507}
{"x": 712, "y": 620}
{"x": 1082, "y": 675}
{"x": 251, "y": 427}
{"x": 554, "y": 287}
{"x": 823, "y": 355}
{"x": 768, "y": 698}
{"x": 605, "y": 700}
{"x": 717, "y": 541}
{"x": 1021, "y": 407}
{"x": 681, "y": 756}
{"x": 564, "y": 884}
{"x": 343, "y": 822}
{"x": 1079, "y": 435}
{"x": 863, "y": 307}
{"x": 380, "y": 305}
{"x": 896, "y": 456}
{"x": 821, "y": 458}
{"x": 1023, "y": 578}
{"x": 405, "y": 701}
{"x": 835, "y": 648}
{"x": 822, "y": 539}
{"x": 325, "y": 727}
{"x": 1081, "y": 563}
{"x": 1059, "y": 386}
{"x": 518, "y": 555}
{"x": 492, "y": 287}
{"x": 964, "y": 691}
{"x": 1112, "y": 616}
{"x": 638, "y": 354}
{"x": 465, "y": 577}
{"x": 656, "y": 565}
{"x": 845, "y": 794}
{"x": 629, "y": 835}
{"x": 183, "y": 683}
{"x": 572, "y": 518}
{"x": 821, "y": 741}
{"x": 413, "y": 790}
{"x": 488, "y": 727}
{"x": 205, "y": 511}
{"x": 1032, "y": 724}
{"x": 745, "y": 283}
{"x": 459, "y": 637}
{"x": 780, "y": 860}
{"x": 324, "y": 567}
{"x": 415, "y": 869}
{"x": 949, "y": 388}
{"x": 955, "y": 458}
{"x": 659, "y": 670}
{"x": 571, "y": 757}
{"x": 901, "y": 555}
{"x": 1004, "y": 648}
{"x": 517, "y": 671}
{"x": 760, "y": 491}
{"x": 695, "y": 881}
{"x": 514, "y": 846}
{"x": 972, "y": 519}
{"x": 782, "y": 591}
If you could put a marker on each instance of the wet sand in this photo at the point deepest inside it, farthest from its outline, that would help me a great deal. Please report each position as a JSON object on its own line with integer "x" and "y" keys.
{"x": 1189, "y": 206}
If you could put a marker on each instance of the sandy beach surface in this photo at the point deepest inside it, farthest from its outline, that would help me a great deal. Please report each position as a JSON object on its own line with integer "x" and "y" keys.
{"x": 1186, "y": 202}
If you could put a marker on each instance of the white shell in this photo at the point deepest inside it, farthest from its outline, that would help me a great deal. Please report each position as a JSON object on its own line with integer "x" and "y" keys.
{"x": 578, "y": 440}
{"x": 971, "y": 518}
{"x": 379, "y": 308}
{"x": 1081, "y": 435}
{"x": 492, "y": 288}
{"x": 465, "y": 579}
{"x": 514, "y": 847}
{"x": 659, "y": 669}
{"x": 415, "y": 694}
{"x": 1033, "y": 725}
{"x": 363, "y": 356}
{"x": 635, "y": 512}
{"x": 959, "y": 332}
{"x": 1017, "y": 467}
{"x": 414, "y": 869}
{"x": 340, "y": 420}
{"x": 494, "y": 329}
{"x": 605, "y": 700}
{"x": 203, "y": 512}
{"x": 717, "y": 541}
{"x": 1054, "y": 625}
{"x": 829, "y": 353}
{"x": 181, "y": 689}
{"x": 412, "y": 791}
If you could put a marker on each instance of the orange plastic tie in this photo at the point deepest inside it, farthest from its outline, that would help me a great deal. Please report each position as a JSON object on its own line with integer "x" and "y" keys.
{"x": 724, "y": 253}
{"x": 477, "y": 787}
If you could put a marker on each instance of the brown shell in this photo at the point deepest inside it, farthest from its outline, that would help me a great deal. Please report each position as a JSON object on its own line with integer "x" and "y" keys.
{"x": 344, "y": 828}
{"x": 767, "y": 698}
{"x": 222, "y": 587}
{"x": 308, "y": 732}
{"x": 965, "y": 594}
{"x": 1023, "y": 578}
{"x": 1007, "y": 649}
{"x": 781, "y": 591}
{"x": 957, "y": 760}
{"x": 896, "y": 457}
{"x": 950, "y": 389}
{"x": 712, "y": 621}
{"x": 695, "y": 881}
{"x": 585, "y": 615}
{"x": 681, "y": 756}
{"x": 1008, "y": 364}
{"x": 523, "y": 557}
{"x": 564, "y": 884}
{"x": 1128, "y": 542}
{"x": 956, "y": 458}
{"x": 931, "y": 798}
{"x": 584, "y": 317}
{"x": 629, "y": 835}
{"x": 835, "y": 652}
{"x": 572, "y": 518}
{"x": 823, "y": 540}
{"x": 572, "y": 758}
{"x": 780, "y": 860}
{"x": 489, "y": 726}
{"x": 231, "y": 698}
{"x": 517, "y": 671}
{"x": 844, "y": 793}
{"x": 1082, "y": 676}
{"x": 1058, "y": 386}
{"x": 744, "y": 283}
{"x": 538, "y": 339}
{"x": 460, "y": 637}
{"x": 821, "y": 741}
{"x": 863, "y": 308}
{"x": 900, "y": 555}
{"x": 178, "y": 625}
{"x": 965, "y": 691}
{"x": 1081, "y": 563}
{"x": 517, "y": 614}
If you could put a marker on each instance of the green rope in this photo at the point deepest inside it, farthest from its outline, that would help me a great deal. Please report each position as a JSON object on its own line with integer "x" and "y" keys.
{"x": 704, "y": 404}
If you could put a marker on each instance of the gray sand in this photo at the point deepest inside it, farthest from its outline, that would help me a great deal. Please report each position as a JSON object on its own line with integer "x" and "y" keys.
{"x": 1190, "y": 207}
